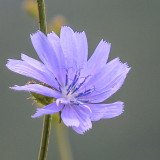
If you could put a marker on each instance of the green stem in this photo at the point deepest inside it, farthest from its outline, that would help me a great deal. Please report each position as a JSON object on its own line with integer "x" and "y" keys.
{"x": 45, "y": 137}
{"x": 42, "y": 16}
{"x": 47, "y": 118}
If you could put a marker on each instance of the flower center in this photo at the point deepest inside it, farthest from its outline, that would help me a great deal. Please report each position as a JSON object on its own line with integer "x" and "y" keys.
{"x": 70, "y": 91}
{"x": 68, "y": 95}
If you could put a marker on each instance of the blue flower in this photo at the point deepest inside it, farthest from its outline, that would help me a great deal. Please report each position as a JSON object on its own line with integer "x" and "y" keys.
{"x": 77, "y": 83}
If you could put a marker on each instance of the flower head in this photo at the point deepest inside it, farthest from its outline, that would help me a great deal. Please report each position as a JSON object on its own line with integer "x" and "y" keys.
{"x": 77, "y": 83}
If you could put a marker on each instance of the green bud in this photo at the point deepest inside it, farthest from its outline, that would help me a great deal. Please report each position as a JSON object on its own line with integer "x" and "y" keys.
{"x": 43, "y": 100}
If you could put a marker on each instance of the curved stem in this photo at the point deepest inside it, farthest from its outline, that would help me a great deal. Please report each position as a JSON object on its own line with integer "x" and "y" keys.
{"x": 45, "y": 137}
{"x": 47, "y": 118}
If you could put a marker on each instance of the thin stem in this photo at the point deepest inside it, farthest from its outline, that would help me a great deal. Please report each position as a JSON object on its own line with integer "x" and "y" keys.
{"x": 45, "y": 137}
{"x": 47, "y": 118}
{"x": 42, "y": 16}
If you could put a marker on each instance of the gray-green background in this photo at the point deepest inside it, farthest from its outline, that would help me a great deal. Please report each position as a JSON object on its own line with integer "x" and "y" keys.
{"x": 133, "y": 28}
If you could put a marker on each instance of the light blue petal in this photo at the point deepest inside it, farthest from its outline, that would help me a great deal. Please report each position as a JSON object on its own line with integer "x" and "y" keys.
{"x": 105, "y": 111}
{"x": 83, "y": 115}
{"x": 37, "y": 88}
{"x": 55, "y": 44}
{"x": 45, "y": 51}
{"x": 69, "y": 116}
{"x": 68, "y": 44}
{"x": 82, "y": 48}
{"x": 33, "y": 70}
{"x": 49, "y": 109}
{"x": 42, "y": 46}
{"x": 106, "y": 82}
{"x": 101, "y": 95}
{"x": 33, "y": 62}
{"x": 102, "y": 77}
{"x": 120, "y": 71}
{"x": 99, "y": 57}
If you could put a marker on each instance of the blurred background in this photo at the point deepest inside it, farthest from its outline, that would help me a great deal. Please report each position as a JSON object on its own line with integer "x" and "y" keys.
{"x": 133, "y": 28}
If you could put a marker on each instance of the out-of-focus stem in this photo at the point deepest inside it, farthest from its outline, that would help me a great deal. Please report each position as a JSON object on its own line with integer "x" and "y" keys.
{"x": 63, "y": 142}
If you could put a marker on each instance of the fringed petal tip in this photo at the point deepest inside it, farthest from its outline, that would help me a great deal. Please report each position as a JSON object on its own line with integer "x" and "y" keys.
{"x": 35, "y": 33}
{"x": 114, "y": 110}
{"x": 14, "y": 87}
{"x": 125, "y": 63}
{"x": 106, "y": 42}
{"x": 66, "y": 29}
{"x": 106, "y": 111}
{"x": 36, "y": 115}
{"x": 83, "y": 32}
{"x": 10, "y": 63}
{"x": 81, "y": 130}
{"x": 8, "y": 60}
{"x": 125, "y": 67}
{"x": 23, "y": 56}
{"x": 52, "y": 33}
{"x": 39, "y": 113}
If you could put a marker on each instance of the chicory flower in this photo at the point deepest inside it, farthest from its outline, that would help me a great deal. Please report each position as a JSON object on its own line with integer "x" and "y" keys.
{"x": 77, "y": 83}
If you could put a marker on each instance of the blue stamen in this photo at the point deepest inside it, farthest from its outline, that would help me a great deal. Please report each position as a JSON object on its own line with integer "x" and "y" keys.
{"x": 68, "y": 89}
{"x": 74, "y": 103}
{"x": 79, "y": 95}
{"x": 88, "y": 91}
{"x": 80, "y": 84}
{"x": 85, "y": 101}
{"x": 82, "y": 94}
{"x": 85, "y": 93}
{"x": 76, "y": 77}
{"x": 66, "y": 83}
{"x": 58, "y": 85}
{"x": 68, "y": 92}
